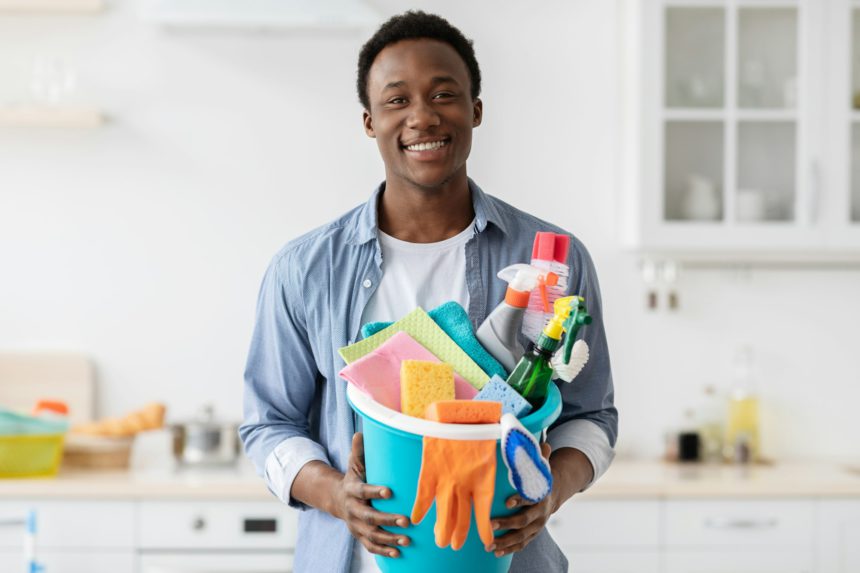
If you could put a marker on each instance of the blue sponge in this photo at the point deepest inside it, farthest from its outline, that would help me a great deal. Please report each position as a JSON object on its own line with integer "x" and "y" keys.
{"x": 497, "y": 390}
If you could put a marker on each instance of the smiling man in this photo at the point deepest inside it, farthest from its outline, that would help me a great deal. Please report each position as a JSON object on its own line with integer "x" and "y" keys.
{"x": 428, "y": 234}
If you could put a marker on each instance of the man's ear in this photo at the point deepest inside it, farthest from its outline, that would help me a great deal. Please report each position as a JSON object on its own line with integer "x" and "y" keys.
{"x": 367, "y": 119}
{"x": 477, "y": 112}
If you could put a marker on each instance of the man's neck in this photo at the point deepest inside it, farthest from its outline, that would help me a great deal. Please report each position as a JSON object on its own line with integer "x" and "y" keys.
{"x": 426, "y": 215}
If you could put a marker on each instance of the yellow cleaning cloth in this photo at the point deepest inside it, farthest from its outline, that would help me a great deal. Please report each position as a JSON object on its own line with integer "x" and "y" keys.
{"x": 423, "y": 329}
{"x": 422, "y": 383}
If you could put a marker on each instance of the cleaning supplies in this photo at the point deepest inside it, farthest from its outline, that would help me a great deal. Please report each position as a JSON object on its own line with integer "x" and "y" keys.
{"x": 463, "y": 411}
{"x": 533, "y": 373}
{"x": 421, "y": 327}
{"x": 567, "y": 371}
{"x": 549, "y": 253}
{"x": 457, "y": 473}
{"x": 742, "y": 425}
{"x": 422, "y": 383}
{"x": 498, "y": 390}
{"x": 378, "y": 373}
{"x": 528, "y": 471}
{"x": 498, "y": 333}
{"x": 454, "y": 321}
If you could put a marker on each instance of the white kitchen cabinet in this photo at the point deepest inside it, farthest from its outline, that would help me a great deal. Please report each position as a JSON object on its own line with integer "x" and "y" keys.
{"x": 210, "y": 536}
{"x": 738, "y": 128}
{"x": 72, "y": 561}
{"x": 838, "y": 538}
{"x": 256, "y": 562}
{"x": 738, "y": 562}
{"x": 609, "y": 536}
{"x": 222, "y": 525}
{"x": 582, "y": 561}
{"x": 78, "y": 525}
{"x": 733, "y": 536}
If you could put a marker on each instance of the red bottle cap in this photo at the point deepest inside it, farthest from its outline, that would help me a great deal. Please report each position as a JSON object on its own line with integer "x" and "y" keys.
{"x": 551, "y": 247}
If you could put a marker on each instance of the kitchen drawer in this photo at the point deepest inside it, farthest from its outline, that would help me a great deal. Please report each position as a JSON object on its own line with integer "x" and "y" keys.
{"x": 740, "y": 523}
{"x": 71, "y": 561}
{"x": 613, "y": 561}
{"x": 590, "y": 524}
{"x": 72, "y": 524}
{"x": 774, "y": 561}
{"x": 190, "y": 562}
{"x": 217, "y": 524}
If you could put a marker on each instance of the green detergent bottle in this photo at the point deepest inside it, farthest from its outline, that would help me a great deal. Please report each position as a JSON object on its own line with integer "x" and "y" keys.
{"x": 532, "y": 374}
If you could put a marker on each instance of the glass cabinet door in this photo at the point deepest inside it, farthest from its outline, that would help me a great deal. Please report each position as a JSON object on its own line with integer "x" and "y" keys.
{"x": 854, "y": 100}
{"x": 730, "y": 121}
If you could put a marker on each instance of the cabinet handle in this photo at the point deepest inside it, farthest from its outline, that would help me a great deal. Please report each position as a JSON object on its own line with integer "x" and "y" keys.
{"x": 740, "y": 523}
{"x": 199, "y": 524}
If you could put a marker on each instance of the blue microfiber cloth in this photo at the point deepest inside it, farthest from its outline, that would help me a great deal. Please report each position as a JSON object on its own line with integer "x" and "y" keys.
{"x": 497, "y": 390}
{"x": 454, "y": 321}
{"x": 528, "y": 471}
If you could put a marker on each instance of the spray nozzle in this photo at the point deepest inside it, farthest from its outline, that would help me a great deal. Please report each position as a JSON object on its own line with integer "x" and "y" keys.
{"x": 522, "y": 279}
{"x": 577, "y": 317}
{"x": 568, "y": 315}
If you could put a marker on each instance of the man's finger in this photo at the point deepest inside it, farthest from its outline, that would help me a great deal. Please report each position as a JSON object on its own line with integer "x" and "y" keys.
{"x": 366, "y": 491}
{"x": 356, "y": 455}
{"x": 382, "y": 537}
{"x": 518, "y": 520}
{"x": 365, "y": 513}
{"x": 379, "y": 549}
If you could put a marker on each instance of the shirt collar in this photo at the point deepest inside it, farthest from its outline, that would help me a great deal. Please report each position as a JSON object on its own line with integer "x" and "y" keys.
{"x": 365, "y": 223}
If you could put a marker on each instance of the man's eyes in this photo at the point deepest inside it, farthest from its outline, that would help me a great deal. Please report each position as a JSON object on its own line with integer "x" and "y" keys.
{"x": 401, "y": 100}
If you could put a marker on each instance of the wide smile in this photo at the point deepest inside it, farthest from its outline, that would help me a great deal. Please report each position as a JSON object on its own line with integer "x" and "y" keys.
{"x": 427, "y": 150}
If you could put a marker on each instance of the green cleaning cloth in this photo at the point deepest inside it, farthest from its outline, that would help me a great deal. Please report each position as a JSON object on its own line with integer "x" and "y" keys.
{"x": 430, "y": 335}
{"x": 454, "y": 321}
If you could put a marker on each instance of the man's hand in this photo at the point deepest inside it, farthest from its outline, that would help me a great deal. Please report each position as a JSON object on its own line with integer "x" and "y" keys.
{"x": 351, "y": 503}
{"x": 571, "y": 471}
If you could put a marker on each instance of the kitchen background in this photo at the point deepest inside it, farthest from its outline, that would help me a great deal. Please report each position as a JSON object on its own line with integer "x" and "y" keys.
{"x": 142, "y": 243}
{"x": 142, "y": 240}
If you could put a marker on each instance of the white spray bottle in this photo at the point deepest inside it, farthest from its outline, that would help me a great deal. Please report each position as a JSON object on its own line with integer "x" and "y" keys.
{"x": 498, "y": 333}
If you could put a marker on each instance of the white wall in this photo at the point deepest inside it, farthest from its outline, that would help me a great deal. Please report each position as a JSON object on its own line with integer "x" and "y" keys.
{"x": 143, "y": 243}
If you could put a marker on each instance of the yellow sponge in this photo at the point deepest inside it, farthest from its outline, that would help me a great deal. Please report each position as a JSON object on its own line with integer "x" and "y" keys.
{"x": 422, "y": 383}
{"x": 464, "y": 412}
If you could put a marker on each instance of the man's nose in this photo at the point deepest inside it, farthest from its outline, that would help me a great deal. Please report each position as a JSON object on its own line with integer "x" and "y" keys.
{"x": 422, "y": 116}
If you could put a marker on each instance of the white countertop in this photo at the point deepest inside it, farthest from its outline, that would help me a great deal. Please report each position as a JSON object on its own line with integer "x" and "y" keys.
{"x": 185, "y": 484}
{"x": 624, "y": 480}
{"x": 635, "y": 479}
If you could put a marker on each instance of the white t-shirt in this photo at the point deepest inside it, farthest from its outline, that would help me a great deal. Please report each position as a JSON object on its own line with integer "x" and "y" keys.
{"x": 414, "y": 274}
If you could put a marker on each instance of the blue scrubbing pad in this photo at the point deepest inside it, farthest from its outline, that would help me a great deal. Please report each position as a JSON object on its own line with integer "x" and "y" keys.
{"x": 454, "y": 321}
{"x": 497, "y": 390}
{"x": 528, "y": 471}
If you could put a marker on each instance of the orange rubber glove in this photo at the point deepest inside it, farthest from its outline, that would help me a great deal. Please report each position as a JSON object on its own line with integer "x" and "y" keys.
{"x": 456, "y": 473}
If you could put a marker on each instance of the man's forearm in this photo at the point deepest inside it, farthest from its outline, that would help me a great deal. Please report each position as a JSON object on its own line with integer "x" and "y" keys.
{"x": 315, "y": 485}
{"x": 571, "y": 472}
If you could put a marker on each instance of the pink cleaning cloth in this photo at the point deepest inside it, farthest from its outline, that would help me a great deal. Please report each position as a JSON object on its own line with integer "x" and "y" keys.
{"x": 377, "y": 374}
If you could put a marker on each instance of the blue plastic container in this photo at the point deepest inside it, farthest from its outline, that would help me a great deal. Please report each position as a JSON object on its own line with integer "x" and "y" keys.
{"x": 392, "y": 454}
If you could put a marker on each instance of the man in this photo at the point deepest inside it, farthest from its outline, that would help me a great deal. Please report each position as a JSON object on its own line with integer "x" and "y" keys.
{"x": 427, "y": 235}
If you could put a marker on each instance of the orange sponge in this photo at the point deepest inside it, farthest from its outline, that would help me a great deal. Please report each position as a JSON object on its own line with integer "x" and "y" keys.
{"x": 422, "y": 383}
{"x": 464, "y": 412}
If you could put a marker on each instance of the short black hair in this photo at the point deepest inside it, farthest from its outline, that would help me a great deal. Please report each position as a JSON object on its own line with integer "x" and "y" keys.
{"x": 413, "y": 25}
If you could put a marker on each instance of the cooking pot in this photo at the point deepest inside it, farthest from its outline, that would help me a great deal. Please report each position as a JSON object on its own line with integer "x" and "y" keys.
{"x": 205, "y": 441}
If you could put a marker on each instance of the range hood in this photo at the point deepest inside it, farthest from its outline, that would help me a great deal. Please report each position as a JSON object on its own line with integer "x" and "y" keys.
{"x": 277, "y": 14}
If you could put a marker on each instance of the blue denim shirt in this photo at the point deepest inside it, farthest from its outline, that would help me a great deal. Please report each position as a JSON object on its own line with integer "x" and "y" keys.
{"x": 310, "y": 305}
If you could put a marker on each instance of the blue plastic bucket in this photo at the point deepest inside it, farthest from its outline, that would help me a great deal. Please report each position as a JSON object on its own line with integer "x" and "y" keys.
{"x": 392, "y": 455}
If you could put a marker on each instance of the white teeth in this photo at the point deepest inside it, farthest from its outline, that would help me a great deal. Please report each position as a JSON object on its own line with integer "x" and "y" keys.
{"x": 427, "y": 146}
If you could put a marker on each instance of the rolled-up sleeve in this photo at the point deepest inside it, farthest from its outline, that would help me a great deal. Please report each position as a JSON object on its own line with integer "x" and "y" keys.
{"x": 588, "y": 420}
{"x": 280, "y": 379}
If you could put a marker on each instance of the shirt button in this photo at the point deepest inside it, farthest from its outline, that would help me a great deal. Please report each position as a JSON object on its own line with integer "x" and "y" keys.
{"x": 366, "y": 283}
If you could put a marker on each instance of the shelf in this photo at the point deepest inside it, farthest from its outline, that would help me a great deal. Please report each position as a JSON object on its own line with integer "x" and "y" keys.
{"x": 687, "y": 114}
{"x": 51, "y": 6}
{"x": 54, "y": 116}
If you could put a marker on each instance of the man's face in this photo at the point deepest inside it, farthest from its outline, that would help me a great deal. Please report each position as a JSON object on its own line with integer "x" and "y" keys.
{"x": 421, "y": 111}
